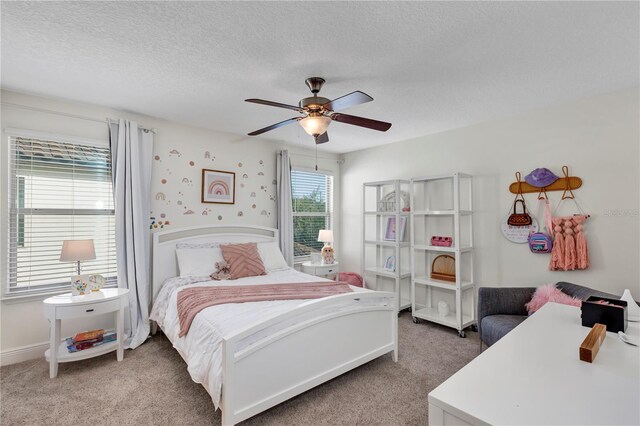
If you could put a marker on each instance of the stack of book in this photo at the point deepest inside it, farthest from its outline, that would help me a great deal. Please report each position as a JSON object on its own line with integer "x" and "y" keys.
{"x": 89, "y": 339}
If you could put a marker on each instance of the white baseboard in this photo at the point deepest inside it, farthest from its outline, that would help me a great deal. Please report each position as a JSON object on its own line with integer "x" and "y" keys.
{"x": 23, "y": 353}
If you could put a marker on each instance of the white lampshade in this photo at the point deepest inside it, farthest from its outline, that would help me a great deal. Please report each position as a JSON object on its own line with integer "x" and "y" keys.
{"x": 325, "y": 235}
{"x": 77, "y": 250}
{"x": 315, "y": 125}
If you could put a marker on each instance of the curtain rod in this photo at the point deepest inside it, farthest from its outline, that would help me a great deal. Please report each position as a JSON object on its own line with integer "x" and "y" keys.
{"x": 313, "y": 156}
{"x": 64, "y": 114}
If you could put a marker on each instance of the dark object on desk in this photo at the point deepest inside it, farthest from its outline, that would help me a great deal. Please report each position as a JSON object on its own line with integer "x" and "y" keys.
{"x": 610, "y": 312}
{"x": 591, "y": 344}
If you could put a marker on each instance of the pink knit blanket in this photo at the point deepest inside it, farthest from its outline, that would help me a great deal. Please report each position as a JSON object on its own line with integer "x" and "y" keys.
{"x": 194, "y": 299}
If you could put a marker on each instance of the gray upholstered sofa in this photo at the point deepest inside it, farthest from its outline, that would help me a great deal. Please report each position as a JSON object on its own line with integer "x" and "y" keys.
{"x": 501, "y": 309}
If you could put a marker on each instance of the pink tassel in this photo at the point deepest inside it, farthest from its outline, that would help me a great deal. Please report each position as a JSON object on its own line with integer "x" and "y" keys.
{"x": 557, "y": 253}
{"x": 570, "y": 258}
{"x": 582, "y": 249}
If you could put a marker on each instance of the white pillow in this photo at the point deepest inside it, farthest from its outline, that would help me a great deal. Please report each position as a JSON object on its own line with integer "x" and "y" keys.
{"x": 198, "y": 262}
{"x": 272, "y": 256}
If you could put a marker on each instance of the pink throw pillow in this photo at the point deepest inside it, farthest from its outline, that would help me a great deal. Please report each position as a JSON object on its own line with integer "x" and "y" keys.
{"x": 244, "y": 260}
{"x": 550, "y": 293}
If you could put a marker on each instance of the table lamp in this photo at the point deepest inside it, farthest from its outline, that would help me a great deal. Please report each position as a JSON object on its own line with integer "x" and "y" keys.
{"x": 326, "y": 236}
{"x": 77, "y": 251}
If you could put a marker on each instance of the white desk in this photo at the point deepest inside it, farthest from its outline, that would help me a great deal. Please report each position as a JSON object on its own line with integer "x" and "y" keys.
{"x": 66, "y": 306}
{"x": 533, "y": 376}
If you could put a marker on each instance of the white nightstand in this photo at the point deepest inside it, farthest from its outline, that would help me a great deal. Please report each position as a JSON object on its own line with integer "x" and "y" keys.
{"x": 321, "y": 270}
{"x": 66, "y": 306}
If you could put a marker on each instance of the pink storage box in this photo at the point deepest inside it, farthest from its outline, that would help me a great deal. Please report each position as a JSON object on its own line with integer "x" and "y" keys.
{"x": 441, "y": 241}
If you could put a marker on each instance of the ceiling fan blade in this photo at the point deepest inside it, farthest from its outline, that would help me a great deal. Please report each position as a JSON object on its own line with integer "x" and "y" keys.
{"x": 361, "y": 121}
{"x": 346, "y": 101}
{"x": 275, "y": 126}
{"x": 323, "y": 138}
{"x": 274, "y": 104}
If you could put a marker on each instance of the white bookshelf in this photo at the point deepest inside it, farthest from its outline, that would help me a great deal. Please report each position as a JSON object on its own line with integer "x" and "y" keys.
{"x": 443, "y": 206}
{"x": 384, "y": 201}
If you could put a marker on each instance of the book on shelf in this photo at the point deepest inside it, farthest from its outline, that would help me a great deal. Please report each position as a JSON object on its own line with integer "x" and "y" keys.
{"x": 73, "y": 346}
{"x": 88, "y": 335}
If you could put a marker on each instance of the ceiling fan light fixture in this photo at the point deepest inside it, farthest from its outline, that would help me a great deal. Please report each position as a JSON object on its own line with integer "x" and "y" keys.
{"x": 315, "y": 124}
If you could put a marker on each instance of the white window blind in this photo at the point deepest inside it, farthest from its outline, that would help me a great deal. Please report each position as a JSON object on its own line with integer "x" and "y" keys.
{"x": 312, "y": 197}
{"x": 58, "y": 191}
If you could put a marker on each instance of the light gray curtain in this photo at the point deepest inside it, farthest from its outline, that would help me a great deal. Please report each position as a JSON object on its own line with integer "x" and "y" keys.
{"x": 285, "y": 212}
{"x": 131, "y": 159}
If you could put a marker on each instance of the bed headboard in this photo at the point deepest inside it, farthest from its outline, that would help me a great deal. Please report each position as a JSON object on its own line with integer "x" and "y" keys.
{"x": 165, "y": 263}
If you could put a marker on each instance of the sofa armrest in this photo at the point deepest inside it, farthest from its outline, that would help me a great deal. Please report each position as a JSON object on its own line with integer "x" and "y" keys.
{"x": 502, "y": 300}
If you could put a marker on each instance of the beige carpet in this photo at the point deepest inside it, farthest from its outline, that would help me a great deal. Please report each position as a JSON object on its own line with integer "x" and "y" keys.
{"x": 152, "y": 386}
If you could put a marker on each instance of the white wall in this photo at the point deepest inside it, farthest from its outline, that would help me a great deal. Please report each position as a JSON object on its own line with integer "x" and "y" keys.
{"x": 598, "y": 138}
{"x": 176, "y": 146}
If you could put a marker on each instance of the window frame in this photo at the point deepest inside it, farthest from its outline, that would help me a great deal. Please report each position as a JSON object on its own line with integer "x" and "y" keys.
{"x": 13, "y": 214}
{"x": 329, "y": 215}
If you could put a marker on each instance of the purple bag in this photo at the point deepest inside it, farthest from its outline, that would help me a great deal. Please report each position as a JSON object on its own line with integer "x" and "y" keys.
{"x": 539, "y": 242}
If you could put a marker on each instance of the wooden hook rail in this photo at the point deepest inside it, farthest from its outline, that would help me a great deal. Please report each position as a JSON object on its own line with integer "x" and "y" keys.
{"x": 566, "y": 183}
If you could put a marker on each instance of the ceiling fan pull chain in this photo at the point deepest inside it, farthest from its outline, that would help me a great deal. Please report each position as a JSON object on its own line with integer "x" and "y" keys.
{"x": 316, "y": 138}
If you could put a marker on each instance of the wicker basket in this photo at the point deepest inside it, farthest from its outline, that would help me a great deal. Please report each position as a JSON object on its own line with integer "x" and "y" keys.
{"x": 443, "y": 268}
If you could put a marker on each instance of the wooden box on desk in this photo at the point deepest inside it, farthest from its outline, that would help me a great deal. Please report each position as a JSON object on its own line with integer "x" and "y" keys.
{"x": 613, "y": 317}
{"x": 591, "y": 344}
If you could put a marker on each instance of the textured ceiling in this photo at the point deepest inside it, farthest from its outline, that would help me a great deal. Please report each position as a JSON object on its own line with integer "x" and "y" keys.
{"x": 430, "y": 66}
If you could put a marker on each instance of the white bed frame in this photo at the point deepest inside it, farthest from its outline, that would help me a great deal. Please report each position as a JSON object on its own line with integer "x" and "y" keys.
{"x": 297, "y": 358}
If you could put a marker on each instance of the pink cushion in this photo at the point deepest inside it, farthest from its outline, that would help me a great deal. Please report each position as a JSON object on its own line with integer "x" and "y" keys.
{"x": 244, "y": 260}
{"x": 350, "y": 278}
{"x": 550, "y": 293}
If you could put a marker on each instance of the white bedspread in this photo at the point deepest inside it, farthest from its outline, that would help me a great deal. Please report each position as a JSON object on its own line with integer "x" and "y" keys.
{"x": 201, "y": 347}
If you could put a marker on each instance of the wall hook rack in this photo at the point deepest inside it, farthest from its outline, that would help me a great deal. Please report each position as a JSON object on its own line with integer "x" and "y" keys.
{"x": 566, "y": 184}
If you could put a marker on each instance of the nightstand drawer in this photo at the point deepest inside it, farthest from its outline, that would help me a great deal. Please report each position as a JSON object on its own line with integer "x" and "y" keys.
{"x": 320, "y": 270}
{"x": 87, "y": 310}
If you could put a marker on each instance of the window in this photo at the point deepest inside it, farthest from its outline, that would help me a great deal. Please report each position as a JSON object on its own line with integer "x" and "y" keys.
{"x": 58, "y": 191}
{"x": 312, "y": 195}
